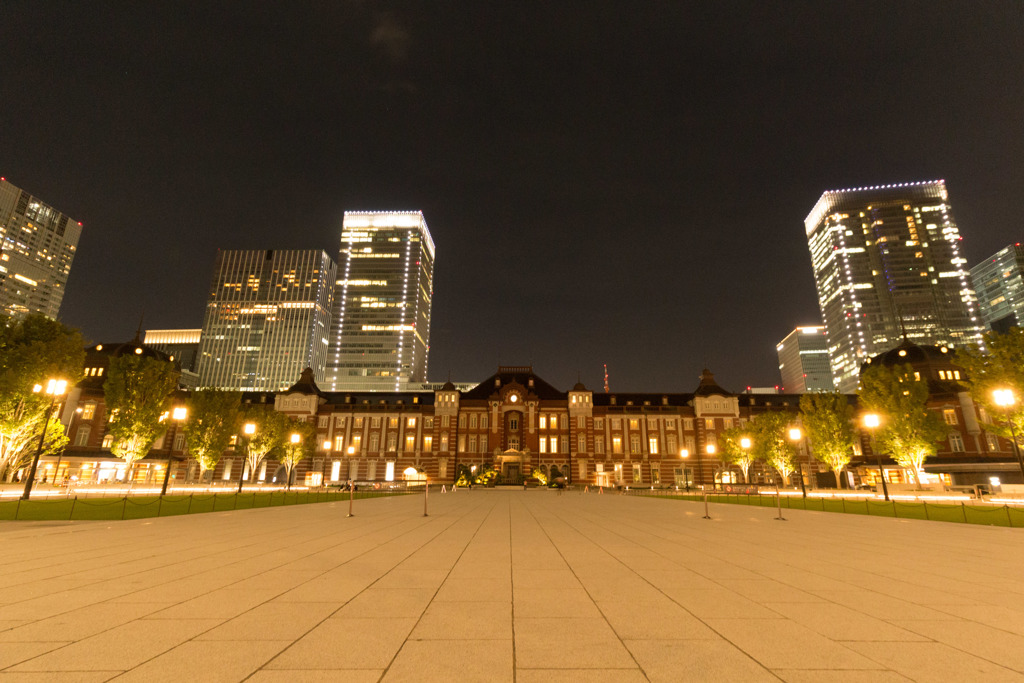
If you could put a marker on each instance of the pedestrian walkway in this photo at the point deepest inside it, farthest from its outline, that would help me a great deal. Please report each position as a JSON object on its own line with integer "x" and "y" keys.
{"x": 511, "y": 585}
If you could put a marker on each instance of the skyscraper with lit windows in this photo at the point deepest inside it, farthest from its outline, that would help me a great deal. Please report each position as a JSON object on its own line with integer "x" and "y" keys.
{"x": 380, "y": 335}
{"x": 37, "y": 246}
{"x": 267, "y": 319}
{"x": 888, "y": 265}
{"x": 999, "y": 282}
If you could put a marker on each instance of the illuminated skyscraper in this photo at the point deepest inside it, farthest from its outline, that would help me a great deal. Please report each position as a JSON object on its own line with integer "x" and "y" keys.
{"x": 267, "y": 319}
{"x": 380, "y": 335}
{"x": 803, "y": 361}
{"x": 37, "y": 246}
{"x": 887, "y": 264}
{"x": 999, "y": 282}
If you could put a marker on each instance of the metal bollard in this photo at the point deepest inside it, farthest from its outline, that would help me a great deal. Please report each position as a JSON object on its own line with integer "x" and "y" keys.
{"x": 426, "y": 491}
{"x": 778, "y": 500}
{"x": 707, "y": 515}
{"x": 351, "y": 493}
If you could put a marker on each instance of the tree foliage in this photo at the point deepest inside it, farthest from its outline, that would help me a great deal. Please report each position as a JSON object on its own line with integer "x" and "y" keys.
{"x": 730, "y": 450}
{"x": 999, "y": 366}
{"x": 771, "y": 442}
{"x": 33, "y": 349}
{"x": 138, "y": 392}
{"x": 829, "y": 422}
{"x": 213, "y": 417}
{"x": 271, "y": 427}
{"x": 909, "y": 431}
{"x": 292, "y": 452}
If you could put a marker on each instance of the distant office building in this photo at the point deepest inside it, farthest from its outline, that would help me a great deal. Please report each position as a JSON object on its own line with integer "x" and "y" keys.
{"x": 803, "y": 361}
{"x": 267, "y": 319}
{"x": 1000, "y": 287}
{"x": 380, "y": 336}
{"x": 887, "y": 264}
{"x": 37, "y": 246}
{"x": 181, "y": 346}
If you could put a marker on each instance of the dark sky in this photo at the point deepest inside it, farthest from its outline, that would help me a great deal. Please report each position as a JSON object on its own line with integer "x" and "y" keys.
{"x": 620, "y": 183}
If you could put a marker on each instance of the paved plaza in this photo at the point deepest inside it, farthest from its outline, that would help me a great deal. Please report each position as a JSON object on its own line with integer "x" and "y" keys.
{"x": 511, "y": 585}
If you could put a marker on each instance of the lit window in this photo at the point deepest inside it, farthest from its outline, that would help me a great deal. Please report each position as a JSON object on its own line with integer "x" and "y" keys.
{"x": 554, "y": 444}
{"x": 410, "y": 423}
{"x": 653, "y": 445}
{"x": 616, "y": 444}
{"x": 88, "y": 411}
{"x": 543, "y": 445}
{"x": 554, "y": 422}
{"x": 543, "y": 422}
{"x": 949, "y": 415}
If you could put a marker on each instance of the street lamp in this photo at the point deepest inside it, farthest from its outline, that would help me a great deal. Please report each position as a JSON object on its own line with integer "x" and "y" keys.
{"x": 871, "y": 421}
{"x": 249, "y": 428}
{"x": 178, "y": 414}
{"x": 685, "y": 453}
{"x": 796, "y": 436}
{"x": 53, "y": 389}
{"x": 1005, "y": 399}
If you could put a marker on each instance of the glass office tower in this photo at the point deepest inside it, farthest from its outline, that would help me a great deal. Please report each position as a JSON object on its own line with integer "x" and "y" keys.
{"x": 803, "y": 360}
{"x": 37, "y": 246}
{"x": 887, "y": 263}
{"x": 267, "y": 319}
{"x": 1000, "y": 286}
{"x": 381, "y": 331}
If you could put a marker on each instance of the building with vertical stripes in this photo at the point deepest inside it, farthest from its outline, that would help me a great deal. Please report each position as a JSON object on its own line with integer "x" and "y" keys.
{"x": 803, "y": 360}
{"x": 380, "y": 336}
{"x": 37, "y": 246}
{"x": 888, "y": 266}
{"x": 267, "y": 319}
{"x": 999, "y": 282}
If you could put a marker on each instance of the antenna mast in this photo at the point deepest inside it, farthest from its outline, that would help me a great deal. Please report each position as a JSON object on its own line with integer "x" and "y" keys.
{"x": 606, "y": 389}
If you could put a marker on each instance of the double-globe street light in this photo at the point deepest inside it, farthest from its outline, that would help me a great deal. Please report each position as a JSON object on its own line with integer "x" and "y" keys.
{"x": 54, "y": 388}
{"x": 1005, "y": 399}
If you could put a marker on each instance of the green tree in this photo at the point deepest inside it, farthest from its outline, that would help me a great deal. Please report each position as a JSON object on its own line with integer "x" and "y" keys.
{"x": 138, "y": 391}
{"x": 212, "y": 420}
{"x": 32, "y": 350}
{"x": 270, "y": 429}
{"x": 828, "y": 419}
{"x": 299, "y": 444}
{"x": 999, "y": 366}
{"x": 771, "y": 443}
{"x": 909, "y": 431}
{"x": 731, "y": 450}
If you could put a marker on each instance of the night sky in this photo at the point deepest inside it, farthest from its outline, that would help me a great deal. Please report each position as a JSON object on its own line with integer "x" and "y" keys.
{"x": 620, "y": 183}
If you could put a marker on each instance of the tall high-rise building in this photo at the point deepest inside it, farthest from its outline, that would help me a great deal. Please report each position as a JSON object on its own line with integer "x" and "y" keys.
{"x": 999, "y": 282}
{"x": 37, "y": 246}
{"x": 267, "y": 319}
{"x": 888, "y": 265}
{"x": 380, "y": 336}
{"x": 803, "y": 360}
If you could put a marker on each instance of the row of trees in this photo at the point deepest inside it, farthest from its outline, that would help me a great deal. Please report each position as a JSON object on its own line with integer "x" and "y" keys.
{"x": 138, "y": 392}
{"x": 908, "y": 431}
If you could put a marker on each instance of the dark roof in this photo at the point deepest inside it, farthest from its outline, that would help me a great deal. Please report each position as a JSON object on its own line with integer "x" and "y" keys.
{"x": 379, "y": 398}
{"x": 448, "y": 386}
{"x": 926, "y": 359}
{"x": 708, "y": 386}
{"x": 515, "y": 375}
{"x": 633, "y": 400}
{"x": 305, "y": 385}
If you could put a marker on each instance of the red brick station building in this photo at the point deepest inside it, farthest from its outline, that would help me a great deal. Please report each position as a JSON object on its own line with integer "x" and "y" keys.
{"x": 518, "y": 423}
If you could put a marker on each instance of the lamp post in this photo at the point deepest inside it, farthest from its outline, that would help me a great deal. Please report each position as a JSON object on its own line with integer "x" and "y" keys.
{"x": 53, "y": 389}
{"x": 796, "y": 436}
{"x": 296, "y": 439}
{"x": 249, "y": 429}
{"x": 685, "y": 453}
{"x": 745, "y": 445}
{"x": 178, "y": 414}
{"x": 710, "y": 450}
{"x": 1005, "y": 399}
{"x": 871, "y": 421}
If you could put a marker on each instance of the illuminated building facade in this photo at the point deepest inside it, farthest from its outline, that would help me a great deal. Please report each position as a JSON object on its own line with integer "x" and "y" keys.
{"x": 888, "y": 265}
{"x": 999, "y": 282}
{"x": 267, "y": 319}
{"x": 380, "y": 336}
{"x": 37, "y": 246}
{"x": 182, "y": 346}
{"x": 803, "y": 361}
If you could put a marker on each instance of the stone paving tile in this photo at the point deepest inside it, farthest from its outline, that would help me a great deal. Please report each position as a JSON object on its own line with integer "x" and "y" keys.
{"x": 934, "y": 662}
{"x": 781, "y": 643}
{"x": 842, "y": 623}
{"x": 388, "y": 602}
{"x": 653, "y": 620}
{"x": 834, "y": 676}
{"x": 59, "y": 677}
{"x": 368, "y": 644}
{"x": 465, "y": 621}
{"x": 13, "y": 653}
{"x": 696, "y": 660}
{"x": 120, "y": 648}
{"x": 452, "y": 660}
{"x": 207, "y": 661}
{"x": 81, "y": 623}
{"x": 984, "y": 641}
{"x": 314, "y": 676}
{"x": 272, "y": 621}
{"x": 633, "y": 675}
